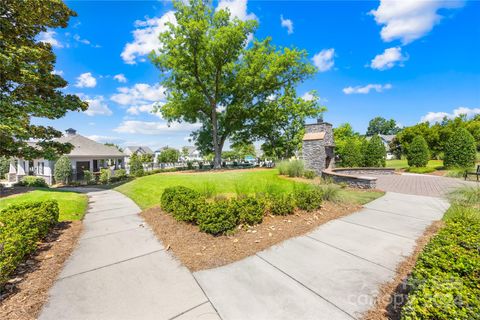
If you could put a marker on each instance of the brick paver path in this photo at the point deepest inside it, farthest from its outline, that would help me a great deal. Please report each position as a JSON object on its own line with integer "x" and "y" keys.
{"x": 425, "y": 185}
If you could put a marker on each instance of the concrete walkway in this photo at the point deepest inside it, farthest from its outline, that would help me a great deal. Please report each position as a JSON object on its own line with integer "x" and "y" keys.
{"x": 119, "y": 270}
{"x": 332, "y": 273}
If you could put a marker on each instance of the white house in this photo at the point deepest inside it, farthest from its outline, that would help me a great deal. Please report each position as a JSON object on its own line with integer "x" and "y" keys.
{"x": 193, "y": 154}
{"x": 86, "y": 155}
{"x": 139, "y": 150}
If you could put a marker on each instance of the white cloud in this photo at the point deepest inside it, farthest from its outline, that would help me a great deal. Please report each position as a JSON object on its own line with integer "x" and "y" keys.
{"x": 139, "y": 94}
{"x": 439, "y": 116}
{"x": 49, "y": 37}
{"x": 237, "y": 8}
{"x": 366, "y": 89}
{"x": 77, "y": 38}
{"x": 409, "y": 20}
{"x": 153, "y": 128}
{"x": 287, "y": 23}
{"x": 145, "y": 37}
{"x": 120, "y": 78}
{"x": 57, "y": 72}
{"x": 388, "y": 59}
{"x": 145, "y": 108}
{"x": 324, "y": 59}
{"x": 96, "y": 105}
{"x": 307, "y": 96}
{"x": 86, "y": 80}
{"x": 106, "y": 139}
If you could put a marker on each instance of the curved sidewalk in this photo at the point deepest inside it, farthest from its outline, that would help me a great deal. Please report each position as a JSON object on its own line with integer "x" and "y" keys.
{"x": 119, "y": 270}
{"x": 332, "y": 273}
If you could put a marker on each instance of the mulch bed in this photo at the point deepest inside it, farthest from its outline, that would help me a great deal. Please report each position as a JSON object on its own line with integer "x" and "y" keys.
{"x": 198, "y": 250}
{"x": 27, "y": 291}
{"x": 393, "y": 295}
{"x": 17, "y": 190}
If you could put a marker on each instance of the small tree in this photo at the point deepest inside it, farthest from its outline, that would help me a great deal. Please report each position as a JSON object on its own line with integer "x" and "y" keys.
{"x": 146, "y": 158}
{"x": 460, "y": 150}
{"x": 136, "y": 166}
{"x": 376, "y": 153}
{"x": 168, "y": 155}
{"x": 63, "y": 170}
{"x": 418, "y": 153}
{"x": 352, "y": 154}
{"x": 4, "y": 166}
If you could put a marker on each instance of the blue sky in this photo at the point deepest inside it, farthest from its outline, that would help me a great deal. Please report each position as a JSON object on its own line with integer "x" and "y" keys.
{"x": 408, "y": 60}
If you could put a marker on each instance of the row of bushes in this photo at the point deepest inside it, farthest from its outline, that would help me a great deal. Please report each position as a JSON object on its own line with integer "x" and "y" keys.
{"x": 445, "y": 281}
{"x": 21, "y": 227}
{"x": 221, "y": 215}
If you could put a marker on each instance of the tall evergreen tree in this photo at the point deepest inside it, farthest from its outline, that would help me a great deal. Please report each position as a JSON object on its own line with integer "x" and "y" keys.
{"x": 460, "y": 150}
{"x": 418, "y": 153}
{"x": 376, "y": 153}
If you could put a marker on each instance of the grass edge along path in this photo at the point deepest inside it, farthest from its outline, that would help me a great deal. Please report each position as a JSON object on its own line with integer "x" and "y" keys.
{"x": 72, "y": 205}
{"x": 146, "y": 191}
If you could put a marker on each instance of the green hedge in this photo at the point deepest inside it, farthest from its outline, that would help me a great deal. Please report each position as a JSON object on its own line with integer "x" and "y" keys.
{"x": 183, "y": 203}
{"x": 221, "y": 215}
{"x": 445, "y": 283}
{"x": 21, "y": 227}
{"x": 33, "y": 181}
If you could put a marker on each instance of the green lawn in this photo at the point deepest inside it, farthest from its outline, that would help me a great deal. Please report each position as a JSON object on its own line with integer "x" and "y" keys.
{"x": 402, "y": 164}
{"x": 146, "y": 191}
{"x": 72, "y": 205}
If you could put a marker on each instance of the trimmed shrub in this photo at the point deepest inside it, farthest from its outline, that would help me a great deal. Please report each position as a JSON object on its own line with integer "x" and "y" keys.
{"x": 63, "y": 170}
{"x": 376, "y": 154}
{"x": 32, "y": 181}
{"x": 105, "y": 175}
{"x": 444, "y": 282}
{"x": 21, "y": 227}
{"x": 460, "y": 150}
{"x": 309, "y": 174}
{"x": 120, "y": 174}
{"x": 249, "y": 210}
{"x": 418, "y": 153}
{"x": 183, "y": 203}
{"x": 281, "y": 204}
{"x": 308, "y": 199}
{"x": 217, "y": 217}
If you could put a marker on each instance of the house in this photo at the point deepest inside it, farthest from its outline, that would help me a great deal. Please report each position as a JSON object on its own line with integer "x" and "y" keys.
{"x": 386, "y": 140}
{"x": 318, "y": 146}
{"x": 192, "y": 154}
{"x": 139, "y": 150}
{"x": 86, "y": 155}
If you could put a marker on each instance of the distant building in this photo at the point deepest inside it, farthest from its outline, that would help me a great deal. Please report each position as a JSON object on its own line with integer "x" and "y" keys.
{"x": 386, "y": 140}
{"x": 86, "y": 155}
{"x": 318, "y": 150}
{"x": 192, "y": 155}
{"x": 139, "y": 150}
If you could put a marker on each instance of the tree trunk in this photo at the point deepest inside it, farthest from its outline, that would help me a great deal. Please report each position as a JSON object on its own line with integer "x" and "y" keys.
{"x": 217, "y": 160}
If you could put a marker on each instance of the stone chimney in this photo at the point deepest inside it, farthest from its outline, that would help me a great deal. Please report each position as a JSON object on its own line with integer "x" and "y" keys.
{"x": 71, "y": 132}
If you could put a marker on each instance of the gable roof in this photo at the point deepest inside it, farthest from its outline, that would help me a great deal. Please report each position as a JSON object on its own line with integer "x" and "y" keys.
{"x": 139, "y": 149}
{"x": 87, "y": 147}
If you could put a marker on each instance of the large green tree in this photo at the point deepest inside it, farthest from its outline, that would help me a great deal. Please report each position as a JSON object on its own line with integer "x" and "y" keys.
{"x": 214, "y": 76}
{"x": 460, "y": 150}
{"x": 379, "y": 125}
{"x": 418, "y": 153}
{"x": 28, "y": 86}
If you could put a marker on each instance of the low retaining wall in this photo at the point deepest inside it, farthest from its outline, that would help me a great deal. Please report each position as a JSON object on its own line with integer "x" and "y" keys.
{"x": 357, "y": 177}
